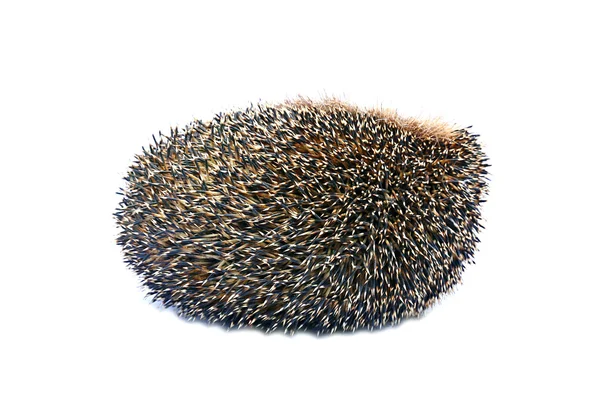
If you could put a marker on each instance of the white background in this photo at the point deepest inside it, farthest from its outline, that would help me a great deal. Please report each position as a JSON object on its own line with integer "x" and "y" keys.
{"x": 83, "y": 87}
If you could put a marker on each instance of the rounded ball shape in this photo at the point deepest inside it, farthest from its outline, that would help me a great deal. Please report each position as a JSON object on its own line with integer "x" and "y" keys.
{"x": 305, "y": 215}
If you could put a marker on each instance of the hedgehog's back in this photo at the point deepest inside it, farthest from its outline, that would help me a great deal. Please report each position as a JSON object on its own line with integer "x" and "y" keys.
{"x": 304, "y": 215}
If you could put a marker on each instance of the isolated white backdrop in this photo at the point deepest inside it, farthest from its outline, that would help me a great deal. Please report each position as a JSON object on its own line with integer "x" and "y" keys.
{"x": 84, "y": 85}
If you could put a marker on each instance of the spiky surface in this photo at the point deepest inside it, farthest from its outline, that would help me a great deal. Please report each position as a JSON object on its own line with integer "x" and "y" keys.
{"x": 303, "y": 216}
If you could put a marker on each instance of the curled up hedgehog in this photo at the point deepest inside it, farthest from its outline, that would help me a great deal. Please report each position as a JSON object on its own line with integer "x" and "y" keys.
{"x": 306, "y": 215}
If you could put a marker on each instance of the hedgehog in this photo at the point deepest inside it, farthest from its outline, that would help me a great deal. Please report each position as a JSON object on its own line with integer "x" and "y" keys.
{"x": 304, "y": 215}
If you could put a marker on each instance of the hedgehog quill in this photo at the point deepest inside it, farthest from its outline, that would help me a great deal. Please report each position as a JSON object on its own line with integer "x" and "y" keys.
{"x": 304, "y": 215}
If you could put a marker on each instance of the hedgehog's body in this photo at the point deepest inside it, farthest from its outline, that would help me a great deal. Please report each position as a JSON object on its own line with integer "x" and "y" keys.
{"x": 304, "y": 215}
